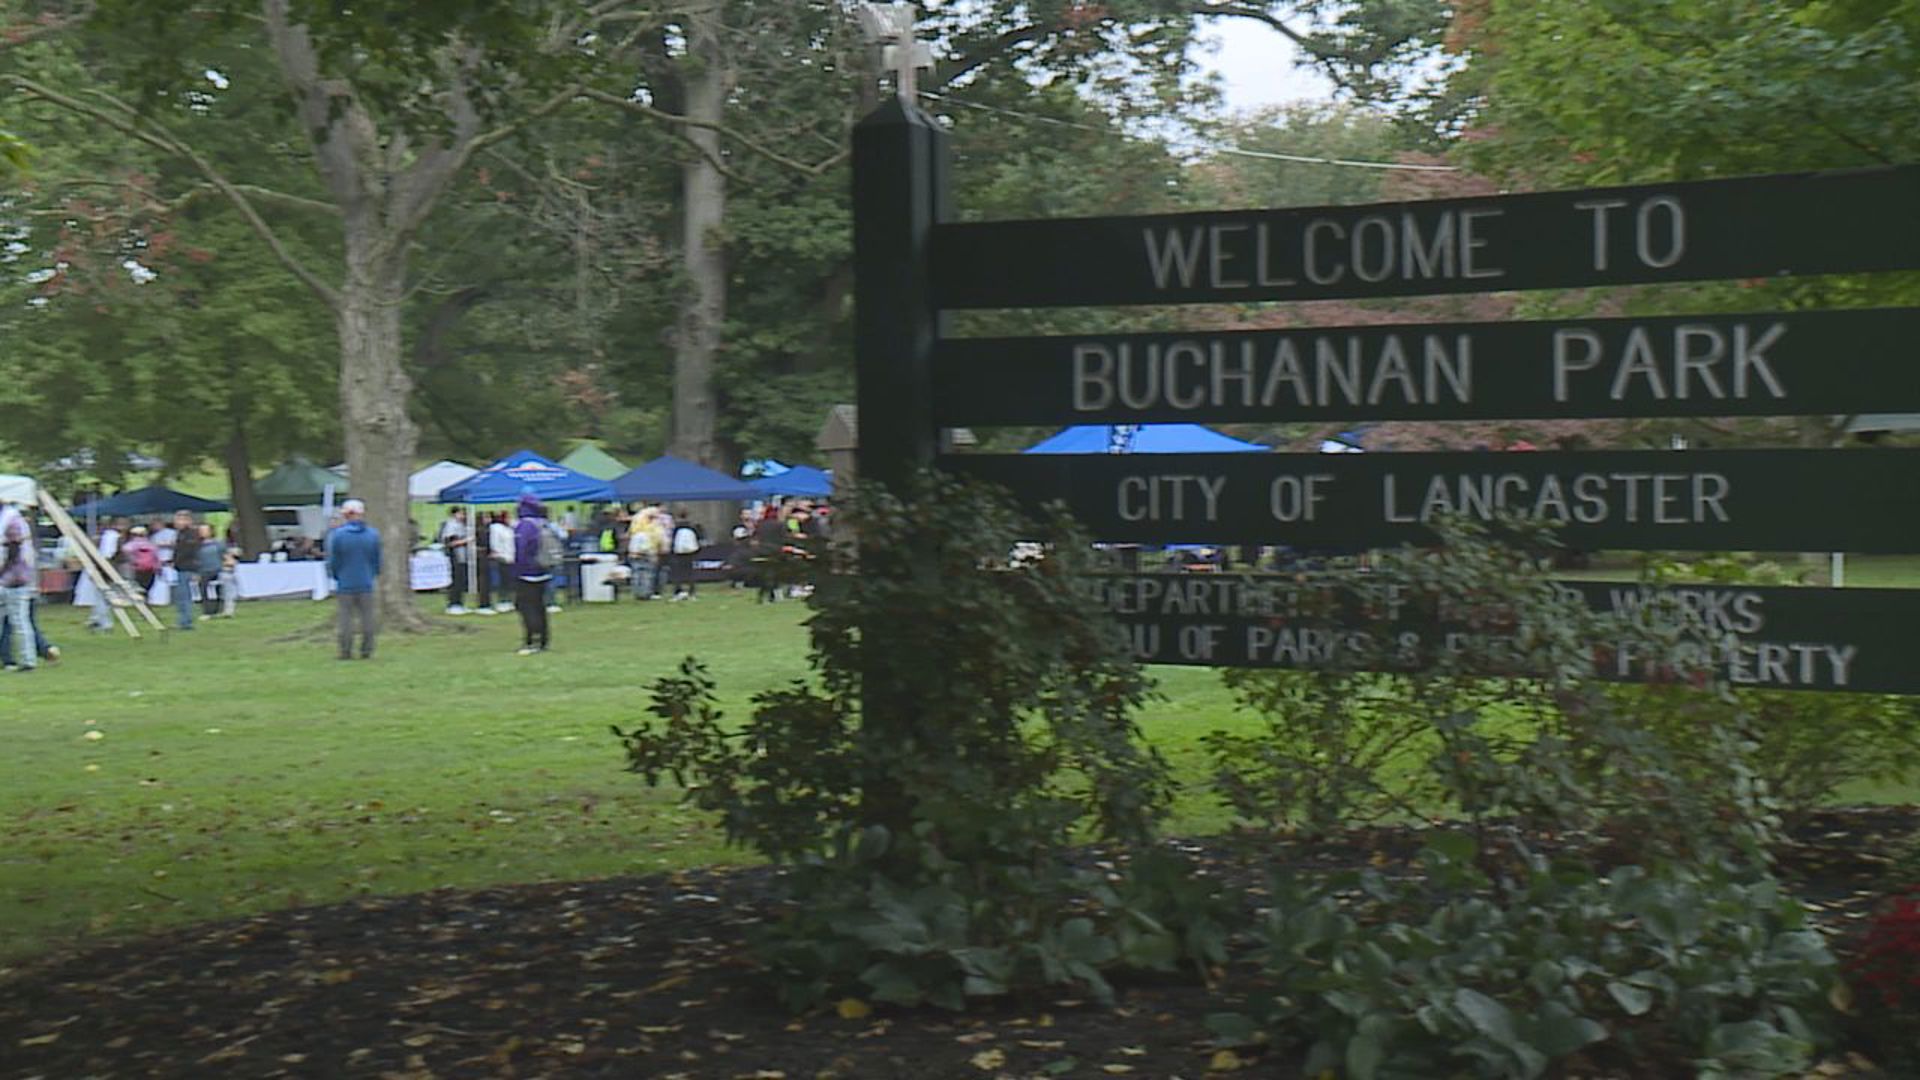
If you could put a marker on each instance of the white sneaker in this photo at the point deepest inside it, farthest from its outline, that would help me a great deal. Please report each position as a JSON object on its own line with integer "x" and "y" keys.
{"x": 485, "y": 611}
{"x": 526, "y": 650}
{"x": 456, "y": 609}
{"x": 553, "y": 609}
{"x": 502, "y": 609}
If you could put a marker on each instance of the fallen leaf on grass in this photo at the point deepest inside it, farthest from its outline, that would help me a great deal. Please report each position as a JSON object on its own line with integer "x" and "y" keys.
{"x": 1225, "y": 1061}
{"x": 853, "y": 1009}
{"x": 988, "y": 1059}
{"x": 40, "y": 1040}
{"x": 1116, "y": 1070}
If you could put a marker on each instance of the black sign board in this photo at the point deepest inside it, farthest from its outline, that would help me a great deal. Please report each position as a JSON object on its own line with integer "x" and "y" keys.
{"x": 1760, "y": 638}
{"x": 1785, "y": 364}
{"x": 1715, "y": 500}
{"x": 1808, "y": 223}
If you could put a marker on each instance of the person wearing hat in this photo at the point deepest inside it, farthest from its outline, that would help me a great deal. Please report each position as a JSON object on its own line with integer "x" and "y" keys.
{"x": 535, "y": 554}
{"x": 353, "y": 562}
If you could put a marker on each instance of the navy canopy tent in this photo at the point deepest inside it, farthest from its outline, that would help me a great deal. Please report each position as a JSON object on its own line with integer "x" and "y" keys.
{"x": 671, "y": 479}
{"x": 506, "y": 480}
{"x": 801, "y": 480}
{"x": 1143, "y": 439}
{"x": 149, "y": 500}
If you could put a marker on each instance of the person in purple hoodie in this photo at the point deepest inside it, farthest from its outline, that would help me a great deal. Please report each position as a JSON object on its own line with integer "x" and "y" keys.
{"x": 534, "y": 552}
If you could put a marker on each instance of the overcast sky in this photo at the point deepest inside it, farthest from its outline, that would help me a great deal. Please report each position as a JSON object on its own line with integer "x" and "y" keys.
{"x": 1256, "y": 65}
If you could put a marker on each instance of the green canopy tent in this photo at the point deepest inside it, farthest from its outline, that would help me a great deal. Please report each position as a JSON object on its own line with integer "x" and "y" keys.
{"x": 588, "y": 458}
{"x": 298, "y": 482}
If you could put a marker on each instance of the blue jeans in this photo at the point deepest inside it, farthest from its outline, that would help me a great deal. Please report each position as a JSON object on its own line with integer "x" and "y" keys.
{"x": 16, "y": 606}
{"x": 183, "y": 581}
{"x": 646, "y": 576}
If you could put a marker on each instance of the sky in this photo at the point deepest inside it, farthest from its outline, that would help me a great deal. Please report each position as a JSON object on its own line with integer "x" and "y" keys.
{"x": 1257, "y": 66}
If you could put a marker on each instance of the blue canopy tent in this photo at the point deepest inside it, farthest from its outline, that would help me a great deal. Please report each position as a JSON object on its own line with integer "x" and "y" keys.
{"x": 149, "y": 500}
{"x": 671, "y": 479}
{"x": 506, "y": 480}
{"x": 801, "y": 480}
{"x": 1143, "y": 439}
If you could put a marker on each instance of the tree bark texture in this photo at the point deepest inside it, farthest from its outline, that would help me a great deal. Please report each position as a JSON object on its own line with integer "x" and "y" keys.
{"x": 252, "y": 525}
{"x": 375, "y": 391}
{"x": 703, "y": 308}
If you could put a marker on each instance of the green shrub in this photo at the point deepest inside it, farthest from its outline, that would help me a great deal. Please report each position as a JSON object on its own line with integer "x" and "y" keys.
{"x": 1593, "y": 897}
{"x": 1466, "y": 974}
{"x": 971, "y": 721}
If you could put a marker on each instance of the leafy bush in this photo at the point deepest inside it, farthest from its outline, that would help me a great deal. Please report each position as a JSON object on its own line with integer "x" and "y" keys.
{"x": 1885, "y": 974}
{"x": 971, "y": 720}
{"x": 1808, "y": 745}
{"x": 1464, "y": 972}
{"x": 1654, "y": 930}
{"x": 1337, "y": 749}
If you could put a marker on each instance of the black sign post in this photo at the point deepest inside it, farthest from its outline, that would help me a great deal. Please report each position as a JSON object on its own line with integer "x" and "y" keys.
{"x": 899, "y": 169}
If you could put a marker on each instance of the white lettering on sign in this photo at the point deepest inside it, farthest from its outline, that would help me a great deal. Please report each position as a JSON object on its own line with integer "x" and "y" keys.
{"x": 1169, "y": 498}
{"x": 1410, "y": 246}
{"x": 1659, "y": 230}
{"x": 1297, "y": 498}
{"x": 1309, "y": 371}
{"x": 1718, "y": 611}
{"x": 1693, "y": 360}
{"x": 1586, "y": 498}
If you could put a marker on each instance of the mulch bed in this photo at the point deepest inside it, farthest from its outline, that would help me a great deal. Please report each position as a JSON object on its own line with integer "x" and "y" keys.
{"x": 645, "y": 977}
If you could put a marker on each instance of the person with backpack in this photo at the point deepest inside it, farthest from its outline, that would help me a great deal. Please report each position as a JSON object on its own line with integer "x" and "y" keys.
{"x": 143, "y": 558}
{"x": 686, "y": 543}
{"x": 537, "y": 552}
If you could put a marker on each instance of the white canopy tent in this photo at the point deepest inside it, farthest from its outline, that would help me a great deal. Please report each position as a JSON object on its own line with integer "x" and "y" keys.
{"x": 426, "y": 485}
{"x": 18, "y": 489}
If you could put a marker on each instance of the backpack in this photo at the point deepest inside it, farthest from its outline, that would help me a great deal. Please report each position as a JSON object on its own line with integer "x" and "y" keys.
{"x": 685, "y": 540}
{"x": 550, "y": 553}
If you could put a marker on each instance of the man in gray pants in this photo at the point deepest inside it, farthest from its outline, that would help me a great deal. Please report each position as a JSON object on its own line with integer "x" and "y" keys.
{"x": 353, "y": 562}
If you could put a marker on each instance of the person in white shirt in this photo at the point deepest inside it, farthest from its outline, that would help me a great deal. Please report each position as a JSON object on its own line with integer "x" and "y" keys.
{"x": 454, "y": 541}
{"x": 500, "y": 549}
{"x": 101, "y": 620}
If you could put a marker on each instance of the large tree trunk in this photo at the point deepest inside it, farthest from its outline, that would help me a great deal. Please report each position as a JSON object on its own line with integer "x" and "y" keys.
{"x": 247, "y": 518}
{"x": 375, "y": 390}
{"x": 703, "y": 309}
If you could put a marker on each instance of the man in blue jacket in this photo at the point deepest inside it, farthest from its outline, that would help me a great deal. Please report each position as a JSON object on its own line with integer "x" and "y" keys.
{"x": 353, "y": 562}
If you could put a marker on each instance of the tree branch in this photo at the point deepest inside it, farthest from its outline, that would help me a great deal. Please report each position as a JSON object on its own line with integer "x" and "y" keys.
{"x": 642, "y": 108}
{"x": 1244, "y": 9}
{"x": 127, "y": 122}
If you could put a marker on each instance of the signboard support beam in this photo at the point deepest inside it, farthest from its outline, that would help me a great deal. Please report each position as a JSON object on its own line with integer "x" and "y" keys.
{"x": 899, "y": 181}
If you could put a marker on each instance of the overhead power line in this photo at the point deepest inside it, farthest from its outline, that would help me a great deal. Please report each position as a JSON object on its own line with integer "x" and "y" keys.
{"x": 1233, "y": 151}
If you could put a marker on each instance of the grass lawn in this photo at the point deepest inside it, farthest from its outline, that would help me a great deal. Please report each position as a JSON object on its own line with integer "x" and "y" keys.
{"x": 236, "y": 773}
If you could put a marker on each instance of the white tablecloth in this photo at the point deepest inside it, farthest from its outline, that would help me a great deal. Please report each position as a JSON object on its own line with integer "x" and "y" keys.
{"x": 429, "y": 570}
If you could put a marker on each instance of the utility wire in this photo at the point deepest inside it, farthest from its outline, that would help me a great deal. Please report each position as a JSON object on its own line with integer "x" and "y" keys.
{"x": 1234, "y": 151}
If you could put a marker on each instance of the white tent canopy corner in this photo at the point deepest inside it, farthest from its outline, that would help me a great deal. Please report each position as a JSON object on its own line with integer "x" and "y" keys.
{"x": 18, "y": 489}
{"x": 426, "y": 485}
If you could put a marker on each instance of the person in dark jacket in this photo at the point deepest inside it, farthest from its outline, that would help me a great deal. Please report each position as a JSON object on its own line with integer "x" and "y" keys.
{"x": 353, "y": 562}
{"x": 186, "y": 566}
{"x": 531, "y": 573}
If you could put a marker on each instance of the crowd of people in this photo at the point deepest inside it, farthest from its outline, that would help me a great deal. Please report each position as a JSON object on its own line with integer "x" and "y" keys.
{"x": 501, "y": 561}
{"x": 654, "y": 548}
